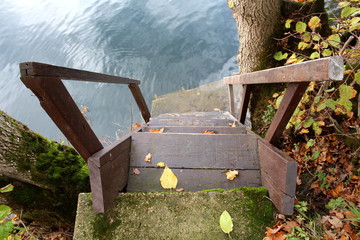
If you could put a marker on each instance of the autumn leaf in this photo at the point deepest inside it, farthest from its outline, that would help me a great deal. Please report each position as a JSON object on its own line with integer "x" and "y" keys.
{"x": 231, "y": 175}
{"x": 168, "y": 179}
{"x": 226, "y": 223}
{"x": 160, "y": 164}
{"x": 148, "y": 157}
{"x": 137, "y": 125}
{"x": 208, "y": 132}
{"x": 7, "y": 188}
{"x": 161, "y": 130}
{"x": 179, "y": 189}
{"x": 314, "y": 22}
{"x": 136, "y": 171}
{"x": 304, "y": 130}
{"x": 232, "y": 124}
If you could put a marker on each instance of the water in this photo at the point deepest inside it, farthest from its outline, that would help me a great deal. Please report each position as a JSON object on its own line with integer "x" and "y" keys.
{"x": 166, "y": 44}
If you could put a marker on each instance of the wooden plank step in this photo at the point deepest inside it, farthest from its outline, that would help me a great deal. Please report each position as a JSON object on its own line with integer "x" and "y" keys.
{"x": 191, "y": 122}
{"x": 192, "y": 179}
{"x": 206, "y": 151}
{"x": 199, "y": 115}
{"x": 200, "y": 129}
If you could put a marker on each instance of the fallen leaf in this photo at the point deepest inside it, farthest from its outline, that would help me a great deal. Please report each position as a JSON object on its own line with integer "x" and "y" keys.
{"x": 137, "y": 125}
{"x": 160, "y": 130}
{"x": 231, "y": 175}
{"x": 136, "y": 171}
{"x": 335, "y": 222}
{"x": 148, "y": 158}
{"x": 179, "y": 189}
{"x": 208, "y": 132}
{"x": 226, "y": 223}
{"x": 304, "y": 130}
{"x": 7, "y": 188}
{"x": 168, "y": 179}
{"x": 160, "y": 164}
{"x": 232, "y": 124}
{"x": 290, "y": 225}
{"x": 217, "y": 109}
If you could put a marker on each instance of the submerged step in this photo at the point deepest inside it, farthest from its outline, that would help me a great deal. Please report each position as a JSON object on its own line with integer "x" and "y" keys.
{"x": 176, "y": 215}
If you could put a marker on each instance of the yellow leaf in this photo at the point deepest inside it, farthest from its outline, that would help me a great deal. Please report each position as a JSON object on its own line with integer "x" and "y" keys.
{"x": 304, "y": 130}
{"x": 148, "y": 158}
{"x": 160, "y": 164}
{"x": 231, "y": 3}
{"x": 168, "y": 179}
{"x": 231, "y": 175}
{"x": 161, "y": 130}
{"x": 208, "y": 132}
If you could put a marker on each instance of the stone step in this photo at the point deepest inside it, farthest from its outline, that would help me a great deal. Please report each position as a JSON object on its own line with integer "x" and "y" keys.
{"x": 176, "y": 215}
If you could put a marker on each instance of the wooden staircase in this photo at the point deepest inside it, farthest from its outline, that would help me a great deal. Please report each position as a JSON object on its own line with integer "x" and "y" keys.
{"x": 199, "y": 160}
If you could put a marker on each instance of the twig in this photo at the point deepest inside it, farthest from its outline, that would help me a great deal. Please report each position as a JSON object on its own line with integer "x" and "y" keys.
{"x": 346, "y": 45}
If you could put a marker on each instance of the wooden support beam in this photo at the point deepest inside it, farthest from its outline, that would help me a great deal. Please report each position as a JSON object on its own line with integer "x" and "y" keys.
{"x": 323, "y": 69}
{"x": 35, "y": 69}
{"x": 245, "y": 99}
{"x": 59, "y": 105}
{"x": 109, "y": 170}
{"x": 286, "y": 109}
{"x": 231, "y": 99}
{"x": 139, "y": 98}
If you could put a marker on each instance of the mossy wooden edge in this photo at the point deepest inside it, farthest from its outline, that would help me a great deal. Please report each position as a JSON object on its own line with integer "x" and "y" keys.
{"x": 177, "y": 215}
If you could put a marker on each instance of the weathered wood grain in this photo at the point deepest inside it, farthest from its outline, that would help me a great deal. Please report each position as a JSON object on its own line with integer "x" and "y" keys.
{"x": 35, "y": 69}
{"x": 62, "y": 109}
{"x": 216, "y": 114}
{"x": 245, "y": 99}
{"x": 278, "y": 175}
{"x": 192, "y": 179}
{"x": 195, "y": 151}
{"x": 140, "y": 101}
{"x": 190, "y": 122}
{"x": 231, "y": 99}
{"x": 324, "y": 69}
{"x": 292, "y": 97}
{"x": 200, "y": 129}
{"x": 108, "y": 171}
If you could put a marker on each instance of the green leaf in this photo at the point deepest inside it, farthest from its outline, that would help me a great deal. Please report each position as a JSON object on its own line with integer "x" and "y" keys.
{"x": 334, "y": 40}
{"x": 330, "y": 90}
{"x": 347, "y": 11}
{"x": 316, "y": 37}
{"x": 316, "y": 127}
{"x": 226, "y": 223}
{"x": 343, "y": 4}
{"x": 357, "y": 77}
{"x": 288, "y": 23}
{"x": 280, "y": 56}
{"x": 308, "y": 123}
{"x": 314, "y": 55}
{"x": 300, "y": 27}
{"x": 306, "y": 37}
{"x": 278, "y": 101}
{"x": 302, "y": 45}
{"x": 347, "y": 92}
{"x": 327, "y": 53}
{"x": 7, "y": 188}
{"x": 4, "y": 211}
{"x": 310, "y": 143}
{"x": 324, "y": 44}
{"x": 314, "y": 22}
{"x": 316, "y": 154}
{"x": 5, "y": 229}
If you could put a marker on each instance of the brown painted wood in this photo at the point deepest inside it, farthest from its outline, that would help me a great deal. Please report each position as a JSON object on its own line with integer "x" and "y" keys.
{"x": 200, "y": 129}
{"x": 62, "y": 109}
{"x": 140, "y": 101}
{"x": 35, "y": 69}
{"x": 191, "y": 179}
{"x": 108, "y": 170}
{"x": 292, "y": 97}
{"x": 190, "y": 122}
{"x": 278, "y": 175}
{"x": 231, "y": 99}
{"x": 245, "y": 99}
{"x": 324, "y": 69}
{"x": 195, "y": 150}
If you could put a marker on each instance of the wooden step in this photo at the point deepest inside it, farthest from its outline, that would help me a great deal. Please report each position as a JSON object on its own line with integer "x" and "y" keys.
{"x": 199, "y": 115}
{"x": 191, "y": 122}
{"x": 199, "y": 160}
{"x": 199, "y": 129}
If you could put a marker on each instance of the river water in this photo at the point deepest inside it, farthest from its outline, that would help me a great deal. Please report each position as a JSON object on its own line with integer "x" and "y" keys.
{"x": 167, "y": 44}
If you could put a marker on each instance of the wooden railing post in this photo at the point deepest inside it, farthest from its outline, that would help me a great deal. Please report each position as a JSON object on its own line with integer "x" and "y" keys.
{"x": 245, "y": 98}
{"x": 139, "y": 98}
{"x": 59, "y": 105}
{"x": 231, "y": 99}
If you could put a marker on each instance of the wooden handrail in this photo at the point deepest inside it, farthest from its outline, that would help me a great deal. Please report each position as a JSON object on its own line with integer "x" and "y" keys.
{"x": 45, "y": 82}
{"x": 297, "y": 75}
{"x": 323, "y": 69}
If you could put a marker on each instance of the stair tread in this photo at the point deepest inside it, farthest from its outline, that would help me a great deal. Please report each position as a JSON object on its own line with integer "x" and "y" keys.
{"x": 199, "y": 129}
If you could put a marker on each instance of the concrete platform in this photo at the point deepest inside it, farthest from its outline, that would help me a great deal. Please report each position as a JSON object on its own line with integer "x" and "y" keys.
{"x": 176, "y": 215}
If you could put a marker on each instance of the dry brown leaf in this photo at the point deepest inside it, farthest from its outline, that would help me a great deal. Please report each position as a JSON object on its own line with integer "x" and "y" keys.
{"x": 160, "y": 130}
{"x": 148, "y": 157}
{"x": 208, "y": 132}
{"x": 231, "y": 175}
{"x": 335, "y": 222}
{"x": 179, "y": 189}
{"x": 290, "y": 225}
{"x": 136, "y": 171}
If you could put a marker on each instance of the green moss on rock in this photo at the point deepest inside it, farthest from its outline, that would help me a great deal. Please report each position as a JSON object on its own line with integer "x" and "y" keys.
{"x": 177, "y": 215}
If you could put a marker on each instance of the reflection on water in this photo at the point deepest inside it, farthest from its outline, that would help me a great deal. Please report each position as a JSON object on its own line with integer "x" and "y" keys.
{"x": 166, "y": 44}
